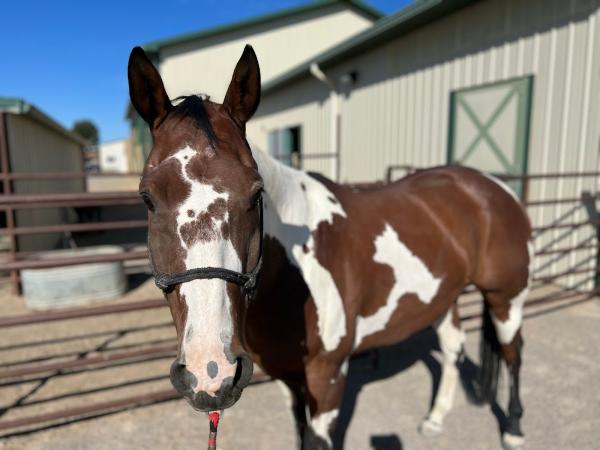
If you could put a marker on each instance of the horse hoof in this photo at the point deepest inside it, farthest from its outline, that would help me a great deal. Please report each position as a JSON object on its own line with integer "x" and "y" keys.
{"x": 429, "y": 428}
{"x": 512, "y": 441}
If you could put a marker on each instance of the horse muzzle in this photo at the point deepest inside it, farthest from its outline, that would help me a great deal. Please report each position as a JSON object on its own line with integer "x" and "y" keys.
{"x": 225, "y": 396}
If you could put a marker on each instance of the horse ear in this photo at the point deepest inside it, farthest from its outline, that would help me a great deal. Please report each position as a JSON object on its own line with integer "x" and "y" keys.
{"x": 146, "y": 89}
{"x": 243, "y": 94}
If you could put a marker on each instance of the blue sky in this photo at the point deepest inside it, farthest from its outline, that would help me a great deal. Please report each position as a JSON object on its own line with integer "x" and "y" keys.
{"x": 69, "y": 58}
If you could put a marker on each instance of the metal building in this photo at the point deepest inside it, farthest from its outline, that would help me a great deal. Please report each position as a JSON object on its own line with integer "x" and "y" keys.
{"x": 31, "y": 141}
{"x": 114, "y": 156}
{"x": 202, "y": 62}
{"x": 508, "y": 86}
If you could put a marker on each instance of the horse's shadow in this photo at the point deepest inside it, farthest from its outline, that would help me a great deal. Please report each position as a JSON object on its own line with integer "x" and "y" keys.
{"x": 389, "y": 361}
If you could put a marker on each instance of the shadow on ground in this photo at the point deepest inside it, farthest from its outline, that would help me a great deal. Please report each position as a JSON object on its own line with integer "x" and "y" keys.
{"x": 388, "y": 362}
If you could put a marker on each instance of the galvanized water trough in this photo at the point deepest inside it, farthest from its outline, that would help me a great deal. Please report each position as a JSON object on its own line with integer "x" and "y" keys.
{"x": 57, "y": 287}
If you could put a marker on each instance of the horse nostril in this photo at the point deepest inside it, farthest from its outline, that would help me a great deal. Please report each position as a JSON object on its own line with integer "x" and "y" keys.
{"x": 212, "y": 369}
{"x": 185, "y": 377}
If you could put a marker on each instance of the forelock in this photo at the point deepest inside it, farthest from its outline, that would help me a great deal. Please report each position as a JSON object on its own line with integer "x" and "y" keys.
{"x": 192, "y": 107}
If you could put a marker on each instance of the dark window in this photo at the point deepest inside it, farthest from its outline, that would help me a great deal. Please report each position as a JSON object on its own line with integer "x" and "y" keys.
{"x": 285, "y": 145}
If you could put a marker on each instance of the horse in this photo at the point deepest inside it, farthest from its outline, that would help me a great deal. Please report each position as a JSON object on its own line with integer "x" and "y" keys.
{"x": 264, "y": 264}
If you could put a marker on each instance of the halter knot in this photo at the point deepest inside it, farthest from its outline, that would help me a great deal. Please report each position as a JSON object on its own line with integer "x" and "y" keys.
{"x": 162, "y": 282}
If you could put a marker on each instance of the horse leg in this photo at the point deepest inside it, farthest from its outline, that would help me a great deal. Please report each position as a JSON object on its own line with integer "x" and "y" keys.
{"x": 512, "y": 437}
{"x": 325, "y": 383}
{"x": 507, "y": 319}
{"x": 451, "y": 338}
{"x": 298, "y": 405}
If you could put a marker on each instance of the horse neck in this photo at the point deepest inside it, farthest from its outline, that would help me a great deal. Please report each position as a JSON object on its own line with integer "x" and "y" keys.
{"x": 278, "y": 178}
{"x": 296, "y": 201}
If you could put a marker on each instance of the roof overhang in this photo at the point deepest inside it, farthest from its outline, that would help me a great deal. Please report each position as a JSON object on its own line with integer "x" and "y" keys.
{"x": 13, "y": 105}
{"x": 358, "y": 6}
{"x": 416, "y": 15}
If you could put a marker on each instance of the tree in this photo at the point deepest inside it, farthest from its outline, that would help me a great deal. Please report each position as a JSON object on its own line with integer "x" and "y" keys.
{"x": 87, "y": 130}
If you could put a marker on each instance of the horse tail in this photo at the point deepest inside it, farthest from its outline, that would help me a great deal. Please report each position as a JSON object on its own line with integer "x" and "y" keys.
{"x": 489, "y": 352}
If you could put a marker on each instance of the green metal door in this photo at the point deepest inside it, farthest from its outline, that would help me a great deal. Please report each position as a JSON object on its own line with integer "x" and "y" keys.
{"x": 489, "y": 128}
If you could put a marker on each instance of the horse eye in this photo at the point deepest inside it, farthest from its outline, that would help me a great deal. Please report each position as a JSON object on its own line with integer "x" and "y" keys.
{"x": 255, "y": 198}
{"x": 147, "y": 201}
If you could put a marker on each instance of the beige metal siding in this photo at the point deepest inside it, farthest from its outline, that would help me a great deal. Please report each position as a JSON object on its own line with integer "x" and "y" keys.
{"x": 36, "y": 148}
{"x": 205, "y": 66}
{"x": 403, "y": 93}
{"x": 310, "y": 110}
{"x": 398, "y": 112}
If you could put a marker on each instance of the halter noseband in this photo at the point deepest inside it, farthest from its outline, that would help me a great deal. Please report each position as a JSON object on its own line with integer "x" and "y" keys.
{"x": 248, "y": 281}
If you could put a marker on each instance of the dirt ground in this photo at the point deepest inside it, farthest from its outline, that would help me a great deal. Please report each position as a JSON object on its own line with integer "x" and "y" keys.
{"x": 382, "y": 406}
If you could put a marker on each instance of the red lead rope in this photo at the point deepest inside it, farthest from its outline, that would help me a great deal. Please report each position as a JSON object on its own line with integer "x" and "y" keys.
{"x": 213, "y": 418}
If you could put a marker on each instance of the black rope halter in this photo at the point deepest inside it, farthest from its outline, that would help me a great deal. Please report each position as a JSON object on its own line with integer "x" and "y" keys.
{"x": 248, "y": 281}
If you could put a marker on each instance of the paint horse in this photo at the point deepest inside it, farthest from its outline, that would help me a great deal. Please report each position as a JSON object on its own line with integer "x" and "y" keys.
{"x": 343, "y": 270}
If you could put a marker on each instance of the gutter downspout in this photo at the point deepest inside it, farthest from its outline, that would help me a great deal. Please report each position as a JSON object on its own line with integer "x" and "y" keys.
{"x": 334, "y": 135}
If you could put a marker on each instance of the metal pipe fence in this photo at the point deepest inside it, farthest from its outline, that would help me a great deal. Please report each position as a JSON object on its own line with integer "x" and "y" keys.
{"x": 18, "y": 176}
{"x": 10, "y": 202}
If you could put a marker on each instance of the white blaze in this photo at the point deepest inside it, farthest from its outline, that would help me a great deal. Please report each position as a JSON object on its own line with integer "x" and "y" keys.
{"x": 410, "y": 274}
{"x": 209, "y": 322}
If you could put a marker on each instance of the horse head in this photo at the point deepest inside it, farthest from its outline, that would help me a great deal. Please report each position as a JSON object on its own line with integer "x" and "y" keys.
{"x": 202, "y": 189}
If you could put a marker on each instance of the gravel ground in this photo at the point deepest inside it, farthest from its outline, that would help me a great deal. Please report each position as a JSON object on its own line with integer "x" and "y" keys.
{"x": 382, "y": 407}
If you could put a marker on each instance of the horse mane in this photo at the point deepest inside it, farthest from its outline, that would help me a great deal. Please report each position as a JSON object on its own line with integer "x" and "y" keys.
{"x": 192, "y": 106}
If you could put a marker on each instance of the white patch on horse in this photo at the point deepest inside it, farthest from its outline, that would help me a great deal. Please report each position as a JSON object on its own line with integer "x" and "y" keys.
{"x": 200, "y": 198}
{"x": 451, "y": 341}
{"x": 344, "y": 367}
{"x": 295, "y": 205}
{"x": 513, "y": 441}
{"x": 507, "y": 329}
{"x": 503, "y": 185}
{"x": 208, "y": 307}
{"x": 411, "y": 275}
{"x": 321, "y": 423}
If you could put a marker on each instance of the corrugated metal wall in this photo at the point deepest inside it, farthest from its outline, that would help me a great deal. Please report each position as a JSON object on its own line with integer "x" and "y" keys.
{"x": 398, "y": 111}
{"x": 36, "y": 148}
{"x": 306, "y": 105}
{"x": 400, "y": 107}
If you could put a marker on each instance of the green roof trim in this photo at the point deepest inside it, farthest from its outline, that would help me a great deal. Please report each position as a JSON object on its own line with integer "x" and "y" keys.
{"x": 419, "y": 13}
{"x": 356, "y": 5}
{"x": 15, "y": 105}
